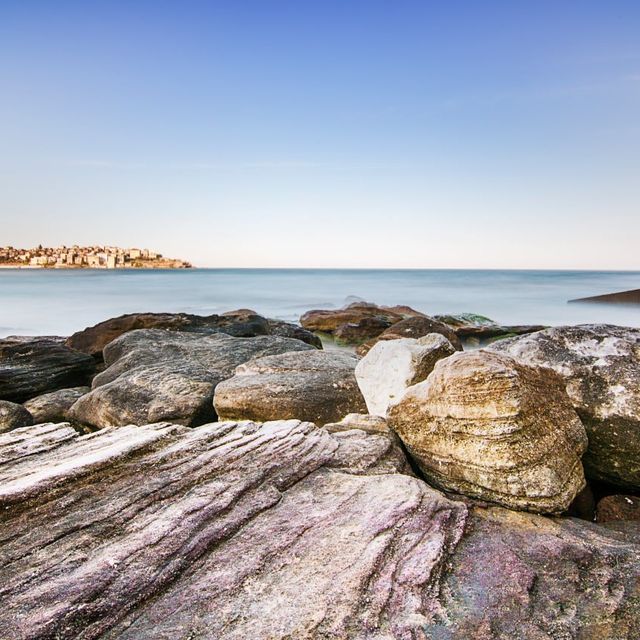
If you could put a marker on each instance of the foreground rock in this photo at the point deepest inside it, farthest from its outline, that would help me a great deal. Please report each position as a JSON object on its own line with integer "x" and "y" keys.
{"x": 315, "y": 386}
{"x": 391, "y": 366}
{"x": 243, "y": 323}
{"x": 600, "y": 365}
{"x": 155, "y": 375}
{"x": 29, "y": 368}
{"x": 54, "y": 406}
{"x": 13, "y": 416}
{"x": 486, "y": 426}
{"x": 274, "y": 531}
{"x": 417, "y": 327}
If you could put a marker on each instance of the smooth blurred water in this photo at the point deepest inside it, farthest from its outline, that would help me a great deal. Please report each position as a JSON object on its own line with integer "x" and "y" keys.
{"x": 39, "y": 302}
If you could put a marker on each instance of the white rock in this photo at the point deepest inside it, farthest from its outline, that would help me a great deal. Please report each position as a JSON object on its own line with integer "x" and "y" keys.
{"x": 393, "y": 365}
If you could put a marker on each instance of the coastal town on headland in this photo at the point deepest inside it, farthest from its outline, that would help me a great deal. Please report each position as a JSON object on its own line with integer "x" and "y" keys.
{"x": 93, "y": 257}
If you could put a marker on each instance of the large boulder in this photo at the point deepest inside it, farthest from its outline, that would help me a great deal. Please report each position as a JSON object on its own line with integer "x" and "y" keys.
{"x": 391, "y": 366}
{"x": 283, "y": 531}
{"x": 487, "y": 426}
{"x": 243, "y": 323}
{"x": 13, "y": 416}
{"x": 154, "y": 375}
{"x": 31, "y": 367}
{"x": 600, "y": 365}
{"x": 317, "y": 386}
{"x": 54, "y": 406}
{"x": 416, "y": 327}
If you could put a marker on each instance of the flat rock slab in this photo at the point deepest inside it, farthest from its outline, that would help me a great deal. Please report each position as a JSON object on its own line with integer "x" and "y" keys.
{"x": 155, "y": 374}
{"x": 282, "y": 531}
{"x": 600, "y": 365}
{"x": 31, "y": 367}
{"x": 316, "y": 386}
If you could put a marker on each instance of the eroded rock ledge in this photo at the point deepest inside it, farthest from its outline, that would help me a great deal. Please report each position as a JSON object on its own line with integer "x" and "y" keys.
{"x": 241, "y": 530}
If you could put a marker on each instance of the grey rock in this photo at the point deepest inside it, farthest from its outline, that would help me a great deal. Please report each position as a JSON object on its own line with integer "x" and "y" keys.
{"x": 13, "y": 415}
{"x": 54, "y": 406}
{"x": 316, "y": 386}
{"x": 600, "y": 365}
{"x": 154, "y": 375}
{"x": 29, "y": 368}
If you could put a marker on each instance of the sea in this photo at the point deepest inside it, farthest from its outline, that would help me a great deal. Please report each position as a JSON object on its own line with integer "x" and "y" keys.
{"x": 60, "y": 302}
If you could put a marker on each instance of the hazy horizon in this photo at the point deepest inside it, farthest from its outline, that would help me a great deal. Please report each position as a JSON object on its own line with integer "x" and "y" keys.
{"x": 332, "y": 135}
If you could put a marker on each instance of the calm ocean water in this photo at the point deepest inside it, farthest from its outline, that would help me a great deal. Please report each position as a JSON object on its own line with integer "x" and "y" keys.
{"x": 38, "y": 302}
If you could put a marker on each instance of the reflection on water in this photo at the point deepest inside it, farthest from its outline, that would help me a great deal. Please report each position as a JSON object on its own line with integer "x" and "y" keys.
{"x": 61, "y": 302}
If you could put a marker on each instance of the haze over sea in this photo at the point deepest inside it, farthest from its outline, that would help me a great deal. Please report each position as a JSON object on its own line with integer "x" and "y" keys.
{"x": 59, "y": 302}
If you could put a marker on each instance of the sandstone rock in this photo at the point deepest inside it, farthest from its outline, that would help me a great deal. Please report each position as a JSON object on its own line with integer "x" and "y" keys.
{"x": 416, "y": 327}
{"x": 357, "y": 332}
{"x": 29, "y": 368}
{"x": 471, "y": 327}
{"x": 13, "y": 416}
{"x": 155, "y": 375}
{"x": 363, "y": 422}
{"x": 54, "y": 406}
{"x": 316, "y": 386}
{"x": 242, "y": 323}
{"x": 240, "y": 531}
{"x": 391, "y": 366}
{"x": 486, "y": 426}
{"x": 615, "y": 508}
{"x": 600, "y": 365}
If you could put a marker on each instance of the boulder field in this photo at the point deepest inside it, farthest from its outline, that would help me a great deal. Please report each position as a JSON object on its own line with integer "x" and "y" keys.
{"x": 222, "y": 477}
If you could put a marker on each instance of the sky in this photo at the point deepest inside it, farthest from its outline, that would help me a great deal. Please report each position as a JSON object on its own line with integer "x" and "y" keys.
{"x": 350, "y": 133}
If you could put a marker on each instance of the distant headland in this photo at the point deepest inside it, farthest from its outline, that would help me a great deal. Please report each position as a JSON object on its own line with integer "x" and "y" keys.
{"x": 94, "y": 257}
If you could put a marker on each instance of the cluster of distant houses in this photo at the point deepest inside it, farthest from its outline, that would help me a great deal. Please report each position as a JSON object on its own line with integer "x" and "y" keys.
{"x": 94, "y": 257}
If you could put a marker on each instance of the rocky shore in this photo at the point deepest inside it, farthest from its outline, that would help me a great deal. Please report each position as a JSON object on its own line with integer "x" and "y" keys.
{"x": 176, "y": 476}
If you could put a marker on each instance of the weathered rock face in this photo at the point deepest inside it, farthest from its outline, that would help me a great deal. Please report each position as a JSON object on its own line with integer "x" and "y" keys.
{"x": 357, "y": 332}
{"x": 391, "y": 366}
{"x": 13, "y": 416}
{"x": 54, "y": 406}
{"x": 417, "y": 327}
{"x": 316, "y": 386}
{"x": 155, "y": 375}
{"x": 600, "y": 365}
{"x": 29, "y": 368}
{"x": 283, "y": 531}
{"x": 615, "y": 508}
{"x": 486, "y": 426}
{"x": 328, "y": 321}
{"x": 243, "y": 323}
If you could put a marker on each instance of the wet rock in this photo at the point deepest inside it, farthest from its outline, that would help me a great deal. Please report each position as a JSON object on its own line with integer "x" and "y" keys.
{"x": 242, "y": 323}
{"x": 357, "y": 332}
{"x": 54, "y": 406}
{"x": 416, "y": 327}
{"x": 486, "y": 426}
{"x": 13, "y": 416}
{"x": 154, "y": 375}
{"x": 391, "y": 366}
{"x": 600, "y": 365}
{"x": 29, "y": 368}
{"x": 618, "y": 507}
{"x": 316, "y": 386}
{"x": 283, "y": 531}
{"x": 479, "y": 330}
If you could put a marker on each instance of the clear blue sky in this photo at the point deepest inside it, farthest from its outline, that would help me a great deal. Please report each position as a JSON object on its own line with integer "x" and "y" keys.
{"x": 325, "y": 133}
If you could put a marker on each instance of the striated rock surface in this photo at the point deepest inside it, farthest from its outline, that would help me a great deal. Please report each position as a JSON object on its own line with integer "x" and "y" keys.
{"x": 316, "y": 386}
{"x": 391, "y": 366}
{"x": 618, "y": 507}
{"x": 283, "y": 531}
{"x": 13, "y": 415}
{"x": 31, "y": 367}
{"x": 243, "y": 323}
{"x": 486, "y": 426}
{"x": 416, "y": 327}
{"x": 54, "y": 406}
{"x": 600, "y": 365}
{"x": 154, "y": 375}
